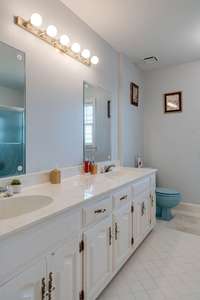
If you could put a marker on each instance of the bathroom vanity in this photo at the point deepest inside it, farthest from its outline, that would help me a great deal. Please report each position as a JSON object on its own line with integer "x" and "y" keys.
{"x": 72, "y": 247}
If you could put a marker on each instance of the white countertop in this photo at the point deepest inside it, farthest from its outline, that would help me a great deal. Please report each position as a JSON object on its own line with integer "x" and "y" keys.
{"x": 72, "y": 192}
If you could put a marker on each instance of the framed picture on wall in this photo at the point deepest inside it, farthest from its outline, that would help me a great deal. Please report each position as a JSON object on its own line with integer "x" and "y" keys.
{"x": 134, "y": 94}
{"x": 173, "y": 102}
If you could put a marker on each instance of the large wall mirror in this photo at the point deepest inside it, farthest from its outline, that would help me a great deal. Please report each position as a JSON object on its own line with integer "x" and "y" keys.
{"x": 12, "y": 111}
{"x": 97, "y": 123}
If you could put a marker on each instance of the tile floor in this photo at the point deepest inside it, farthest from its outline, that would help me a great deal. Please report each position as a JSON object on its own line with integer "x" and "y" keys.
{"x": 165, "y": 267}
{"x": 185, "y": 223}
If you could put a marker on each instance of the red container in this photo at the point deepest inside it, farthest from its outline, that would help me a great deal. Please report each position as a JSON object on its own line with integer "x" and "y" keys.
{"x": 86, "y": 166}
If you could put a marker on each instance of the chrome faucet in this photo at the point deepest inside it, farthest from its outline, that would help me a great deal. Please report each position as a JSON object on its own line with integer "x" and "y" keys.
{"x": 5, "y": 191}
{"x": 108, "y": 168}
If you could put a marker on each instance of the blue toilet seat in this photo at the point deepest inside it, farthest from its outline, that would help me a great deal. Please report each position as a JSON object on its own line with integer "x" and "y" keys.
{"x": 166, "y": 192}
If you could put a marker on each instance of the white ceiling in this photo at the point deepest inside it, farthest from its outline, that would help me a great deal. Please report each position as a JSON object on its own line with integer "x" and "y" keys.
{"x": 168, "y": 29}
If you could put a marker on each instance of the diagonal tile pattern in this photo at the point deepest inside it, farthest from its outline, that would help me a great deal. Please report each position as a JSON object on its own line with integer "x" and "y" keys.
{"x": 165, "y": 267}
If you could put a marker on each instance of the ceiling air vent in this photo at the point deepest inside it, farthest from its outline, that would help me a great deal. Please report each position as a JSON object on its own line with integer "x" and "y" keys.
{"x": 150, "y": 60}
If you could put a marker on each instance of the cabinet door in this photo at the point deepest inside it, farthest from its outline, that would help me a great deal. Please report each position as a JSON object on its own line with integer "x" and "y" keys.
{"x": 136, "y": 222}
{"x": 97, "y": 257}
{"x": 64, "y": 271}
{"x": 142, "y": 211}
{"x": 122, "y": 229}
{"x": 152, "y": 198}
{"x": 144, "y": 220}
{"x": 27, "y": 285}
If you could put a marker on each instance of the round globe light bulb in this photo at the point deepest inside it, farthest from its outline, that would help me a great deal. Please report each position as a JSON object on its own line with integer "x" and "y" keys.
{"x": 52, "y": 31}
{"x": 85, "y": 53}
{"x": 76, "y": 48}
{"x": 64, "y": 40}
{"x": 94, "y": 60}
{"x": 36, "y": 20}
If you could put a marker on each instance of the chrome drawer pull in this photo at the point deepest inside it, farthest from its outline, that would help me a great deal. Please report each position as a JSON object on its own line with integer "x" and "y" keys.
{"x": 51, "y": 288}
{"x": 43, "y": 289}
{"x": 110, "y": 236}
{"x": 143, "y": 209}
{"x": 116, "y": 231}
{"x": 123, "y": 197}
{"x": 100, "y": 211}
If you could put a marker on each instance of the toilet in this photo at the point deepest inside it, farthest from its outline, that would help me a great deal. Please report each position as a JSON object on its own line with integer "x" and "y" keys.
{"x": 165, "y": 200}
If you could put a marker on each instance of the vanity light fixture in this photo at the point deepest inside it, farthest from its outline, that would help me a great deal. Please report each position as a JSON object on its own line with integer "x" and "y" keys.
{"x": 52, "y": 31}
{"x": 94, "y": 60}
{"x": 62, "y": 44}
{"x": 36, "y": 20}
{"x": 85, "y": 53}
{"x": 76, "y": 48}
{"x": 64, "y": 40}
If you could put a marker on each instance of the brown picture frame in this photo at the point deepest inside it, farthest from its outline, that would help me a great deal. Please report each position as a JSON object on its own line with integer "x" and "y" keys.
{"x": 134, "y": 94}
{"x": 173, "y": 102}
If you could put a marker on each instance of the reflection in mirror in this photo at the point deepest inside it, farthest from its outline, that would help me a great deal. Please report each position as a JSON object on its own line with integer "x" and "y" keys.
{"x": 97, "y": 123}
{"x": 12, "y": 111}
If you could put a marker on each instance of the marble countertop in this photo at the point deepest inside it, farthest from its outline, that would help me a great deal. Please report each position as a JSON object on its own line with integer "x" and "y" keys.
{"x": 72, "y": 193}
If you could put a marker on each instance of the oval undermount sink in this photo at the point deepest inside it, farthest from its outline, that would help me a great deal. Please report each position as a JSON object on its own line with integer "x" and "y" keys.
{"x": 17, "y": 206}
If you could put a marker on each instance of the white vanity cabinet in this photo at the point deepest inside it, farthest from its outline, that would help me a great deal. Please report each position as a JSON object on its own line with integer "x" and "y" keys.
{"x": 142, "y": 208}
{"x": 58, "y": 273}
{"x": 152, "y": 200}
{"x": 29, "y": 285}
{"x": 136, "y": 211}
{"x": 56, "y": 277}
{"x": 74, "y": 255}
{"x": 64, "y": 271}
{"x": 122, "y": 234}
{"x": 97, "y": 257}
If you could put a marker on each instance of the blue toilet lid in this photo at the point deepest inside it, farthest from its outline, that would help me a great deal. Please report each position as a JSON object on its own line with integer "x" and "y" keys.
{"x": 166, "y": 191}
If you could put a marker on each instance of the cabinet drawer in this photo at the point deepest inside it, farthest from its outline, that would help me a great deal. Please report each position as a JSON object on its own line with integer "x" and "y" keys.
{"x": 96, "y": 212}
{"x": 122, "y": 197}
{"x": 141, "y": 186}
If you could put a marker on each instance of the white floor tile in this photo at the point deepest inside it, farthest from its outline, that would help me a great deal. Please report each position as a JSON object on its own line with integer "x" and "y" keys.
{"x": 141, "y": 296}
{"x": 165, "y": 267}
{"x": 156, "y": 295}
{"x": 149, "y": 284}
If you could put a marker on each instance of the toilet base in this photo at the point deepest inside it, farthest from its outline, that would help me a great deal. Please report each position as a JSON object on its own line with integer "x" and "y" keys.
{"x": 163, "y": 213}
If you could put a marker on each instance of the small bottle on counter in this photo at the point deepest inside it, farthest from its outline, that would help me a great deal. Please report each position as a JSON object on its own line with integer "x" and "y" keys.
{"x": 93, "y": 168}
{"x": 86, "y": 166}
{"x": 139, "y": 162}
{"x": 55, "y": 176}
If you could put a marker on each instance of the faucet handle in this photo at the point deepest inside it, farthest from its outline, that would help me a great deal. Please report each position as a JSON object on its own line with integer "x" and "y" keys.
{"x": 6, "y": 191}
{"x": 102, "y": 169}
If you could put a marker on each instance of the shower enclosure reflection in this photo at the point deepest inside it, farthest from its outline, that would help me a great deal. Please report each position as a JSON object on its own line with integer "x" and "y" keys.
{"x": 12, "y": 111}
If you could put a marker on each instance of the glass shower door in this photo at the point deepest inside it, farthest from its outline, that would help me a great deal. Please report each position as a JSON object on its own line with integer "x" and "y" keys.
{"x": 12, "y": 143}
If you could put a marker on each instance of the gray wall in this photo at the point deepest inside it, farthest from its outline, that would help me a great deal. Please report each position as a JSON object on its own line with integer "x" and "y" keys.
{"x": 172, "y": 141}
{"x": 55, "y": 83}
{"x": 130, "y": 117}
{"x": 103, "y": 126}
